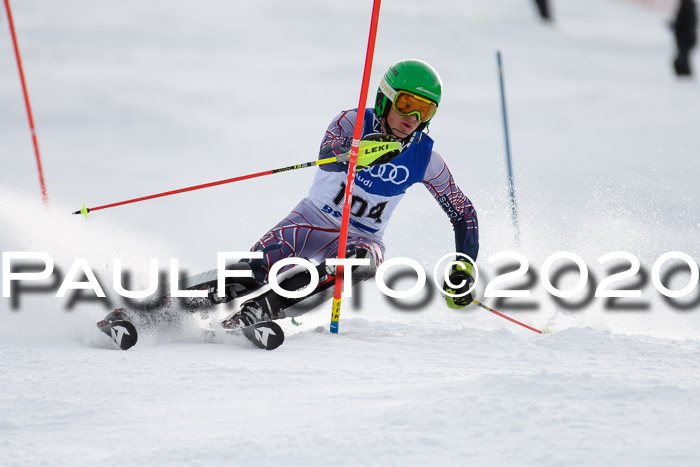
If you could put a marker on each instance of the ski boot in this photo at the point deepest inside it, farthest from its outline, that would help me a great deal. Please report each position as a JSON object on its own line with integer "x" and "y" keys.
{"x": 118, "y": 314}
{"x": 254, "y": 321}
{"x": 252, "y": 311}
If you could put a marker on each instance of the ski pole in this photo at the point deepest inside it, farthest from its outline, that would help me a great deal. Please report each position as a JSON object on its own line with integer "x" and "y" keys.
{"x": 371, "y": 150}
{"x": 476, "y": 302}
{"x": 42, "y": 183}
{"x": 347, "y": 204}
{"x": 84, "y": 211}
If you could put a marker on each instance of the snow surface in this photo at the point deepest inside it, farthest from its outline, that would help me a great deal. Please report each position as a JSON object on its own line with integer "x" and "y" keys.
{"x": 132, "y": 98}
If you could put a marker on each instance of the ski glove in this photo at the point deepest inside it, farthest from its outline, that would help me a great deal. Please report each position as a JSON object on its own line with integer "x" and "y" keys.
{"x": 461, "y": 274}
{"x": 376, "y": 149}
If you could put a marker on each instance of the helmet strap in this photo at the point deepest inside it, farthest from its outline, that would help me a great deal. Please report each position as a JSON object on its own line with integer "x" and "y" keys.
{"x": 388, "y": 130}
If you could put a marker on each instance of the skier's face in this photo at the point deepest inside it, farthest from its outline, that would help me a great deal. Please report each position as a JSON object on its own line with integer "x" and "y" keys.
{"x": 401, "y": 126}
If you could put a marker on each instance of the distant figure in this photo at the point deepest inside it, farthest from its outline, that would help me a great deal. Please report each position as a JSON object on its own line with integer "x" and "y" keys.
{"x": 543, "y": 7}
{"x": 684, "y": 30}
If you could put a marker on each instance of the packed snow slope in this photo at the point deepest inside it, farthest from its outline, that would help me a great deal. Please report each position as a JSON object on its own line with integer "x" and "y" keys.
{"x": 133, "y": 98}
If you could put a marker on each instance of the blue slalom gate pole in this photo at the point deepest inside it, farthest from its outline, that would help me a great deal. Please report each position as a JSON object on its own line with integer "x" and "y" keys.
{"x": 509, "y": 162}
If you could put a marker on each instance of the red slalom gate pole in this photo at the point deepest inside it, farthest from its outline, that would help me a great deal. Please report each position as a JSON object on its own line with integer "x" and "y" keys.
{"x": 342, "y": 244}
{"x": 26, "y": 103}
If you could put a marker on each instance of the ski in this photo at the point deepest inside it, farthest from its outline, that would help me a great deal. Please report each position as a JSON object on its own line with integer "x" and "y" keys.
{"x": 122, "y": 332}
{"x": 266, "y": 335}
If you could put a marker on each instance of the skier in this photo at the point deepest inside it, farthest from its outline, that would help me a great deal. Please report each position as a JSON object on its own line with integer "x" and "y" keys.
{"x": 406, "y": 102}
{"x": 684, "y": 30}
{"x": 407, "y": 99}
{"x": 544, "y": 10}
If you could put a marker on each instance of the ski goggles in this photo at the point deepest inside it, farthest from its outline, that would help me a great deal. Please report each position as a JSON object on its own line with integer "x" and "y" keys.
{"x": 407, "y": 103}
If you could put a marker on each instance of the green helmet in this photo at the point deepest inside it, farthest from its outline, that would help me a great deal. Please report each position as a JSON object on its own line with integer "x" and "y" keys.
{"x": 414, "y": 76}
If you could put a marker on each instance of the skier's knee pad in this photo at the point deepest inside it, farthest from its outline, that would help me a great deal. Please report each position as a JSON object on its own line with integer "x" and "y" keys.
{"x": 366, "y": 250}
{"x": 357, "y": 251}
{"x": 298, "y": 277}
{"x": 236, "y": 286}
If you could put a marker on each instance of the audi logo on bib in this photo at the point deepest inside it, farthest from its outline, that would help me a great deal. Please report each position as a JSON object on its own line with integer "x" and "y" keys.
{"x": 390, "y": 173}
